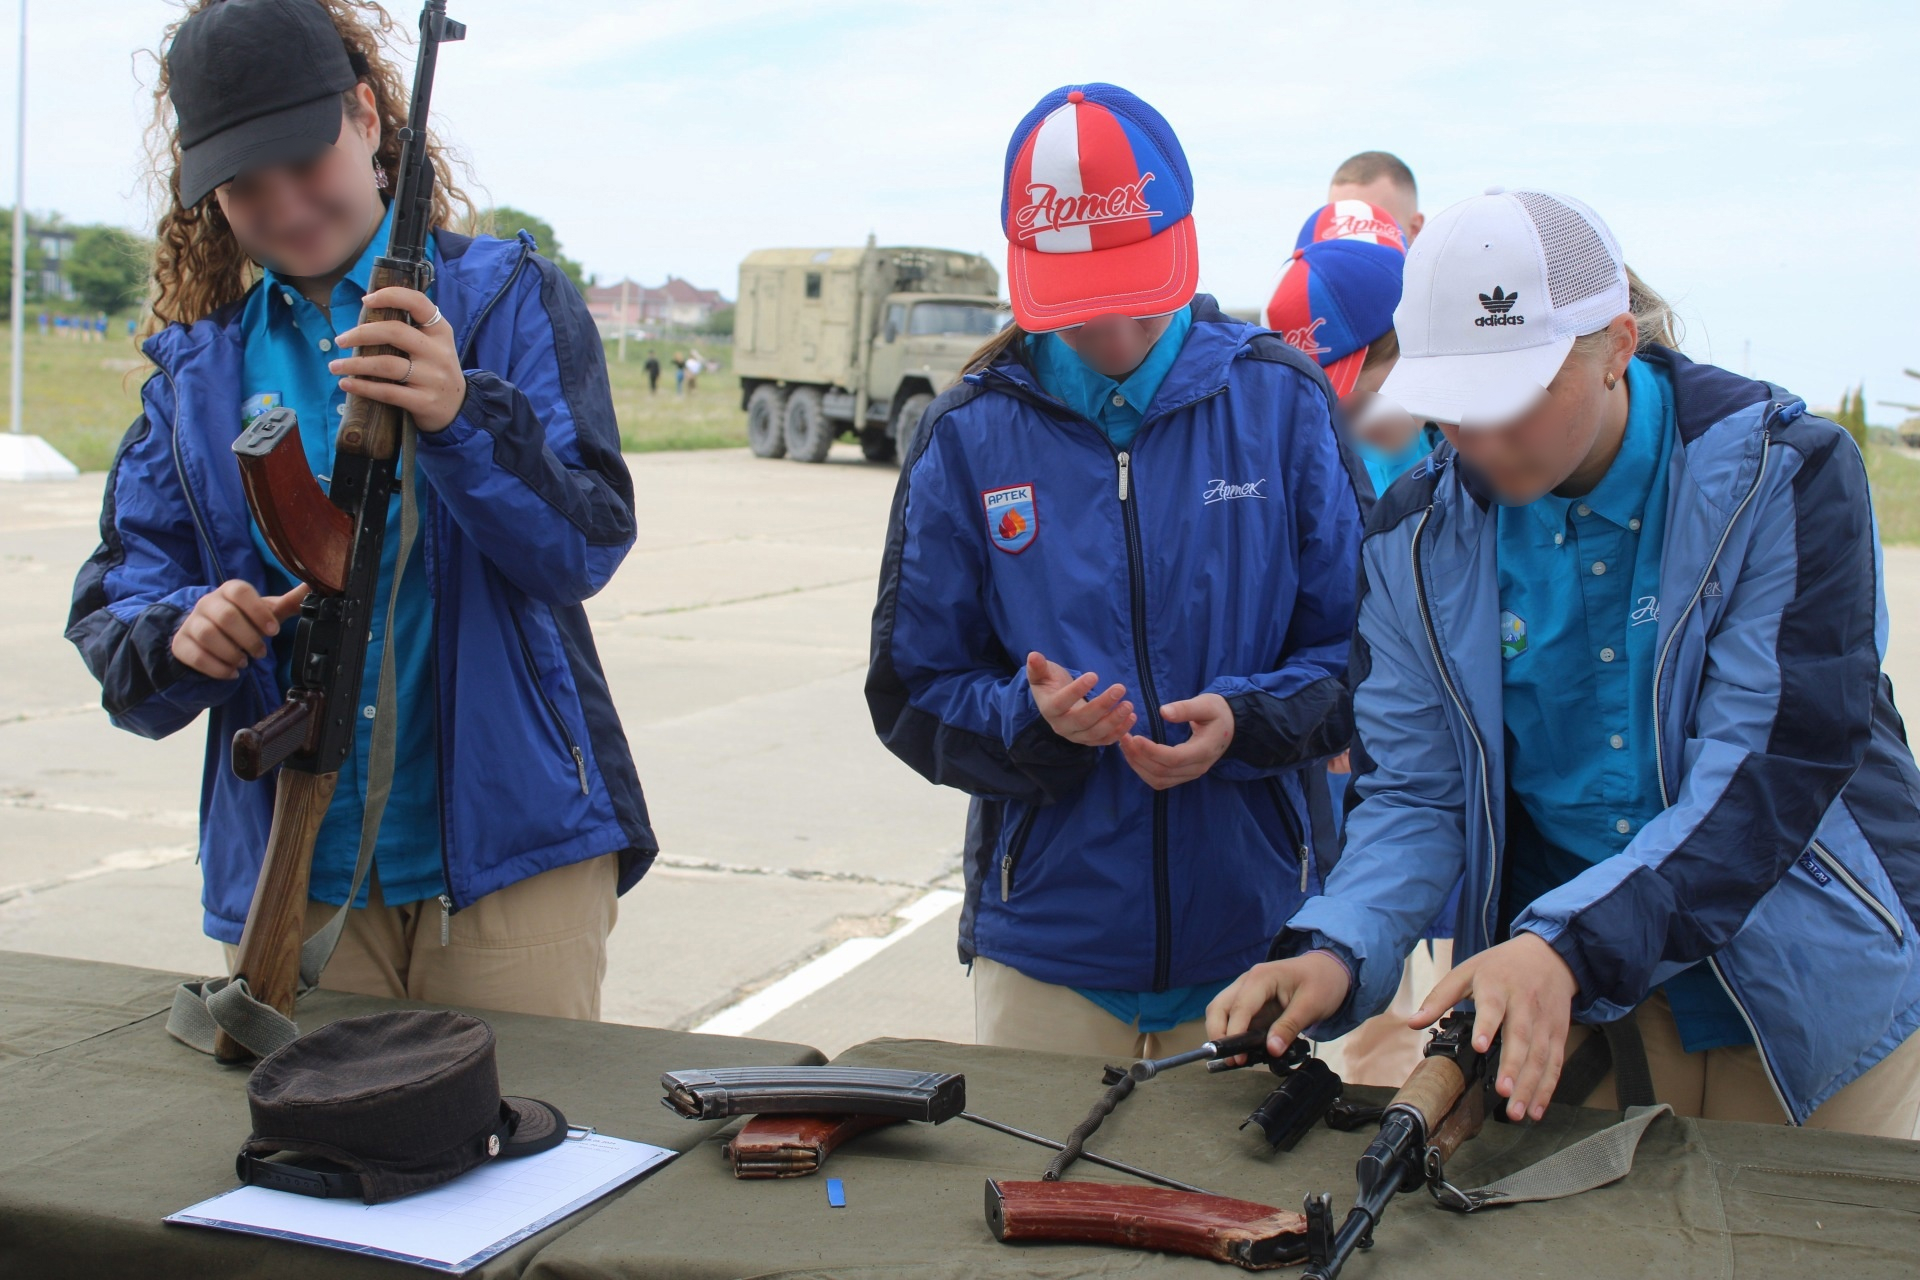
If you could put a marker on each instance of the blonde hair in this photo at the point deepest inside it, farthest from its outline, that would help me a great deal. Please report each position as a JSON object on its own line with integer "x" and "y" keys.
{"x": 1658, "y": 326}
{"x": 198, "y": 264}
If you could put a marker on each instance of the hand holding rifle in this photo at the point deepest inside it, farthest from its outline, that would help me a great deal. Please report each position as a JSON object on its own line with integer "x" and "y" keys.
{"x": 420, "y": 371}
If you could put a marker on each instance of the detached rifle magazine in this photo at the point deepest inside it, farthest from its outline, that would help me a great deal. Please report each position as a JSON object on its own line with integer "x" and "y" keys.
{"x": 1253, "y": 1237}
{"x": 931, "y": 1097}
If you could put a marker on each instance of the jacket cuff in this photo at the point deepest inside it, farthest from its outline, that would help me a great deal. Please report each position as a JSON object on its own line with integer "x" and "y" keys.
{"x": 459, "y": 430}
{"x": 1274, "y": 733}
{"x": 1050, "y": 760}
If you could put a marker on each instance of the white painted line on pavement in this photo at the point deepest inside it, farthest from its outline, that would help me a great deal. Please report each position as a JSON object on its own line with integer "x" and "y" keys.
{"x": 762, "y": 1005}
{"x": 127, "y": 860}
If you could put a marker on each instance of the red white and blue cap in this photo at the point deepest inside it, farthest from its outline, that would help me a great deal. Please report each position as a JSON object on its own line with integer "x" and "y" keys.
{"x": 1336, "y": 296}
{"x": 1351, "y": 220}
{"x": 1097, "y": 210}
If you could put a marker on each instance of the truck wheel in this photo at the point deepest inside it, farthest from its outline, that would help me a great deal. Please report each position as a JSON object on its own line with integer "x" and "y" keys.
{"x": 809, "y": 431}
{"x": 767, "y": 422}
{"x": 876, "y": 444}
{"x": 907, "y": 424}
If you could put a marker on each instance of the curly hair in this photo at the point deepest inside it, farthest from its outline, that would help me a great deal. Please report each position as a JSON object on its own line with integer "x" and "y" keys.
{"x": 198, "y": 265}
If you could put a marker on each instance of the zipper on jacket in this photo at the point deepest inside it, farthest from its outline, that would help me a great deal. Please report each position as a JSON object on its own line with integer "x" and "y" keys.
{"x": 533, "y": 670}
{"x": 186, "y": 486}
{"x": 1137, "y": 598}
{"x": 1867, "y": 900}
{"x": 1294, "y": 834}
{"x": 1016, "y": 845}
{"x": 1659, "y": 747}
{"x": 1446, "y": 681}
{"x": 446, "y": 918}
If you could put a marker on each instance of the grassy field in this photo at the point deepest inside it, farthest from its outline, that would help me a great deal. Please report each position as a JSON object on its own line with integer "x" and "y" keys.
{"x": 708, "y": 418}
{"x": 82, "y": 395}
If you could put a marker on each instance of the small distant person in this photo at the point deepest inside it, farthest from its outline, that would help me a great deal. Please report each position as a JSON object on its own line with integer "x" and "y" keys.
{"x": 679, "y": 373}
{"x": 43, "y": 324}
{"x": 695, "y": 367}
{"x": 1383, "y": 179}
{"x": 653, "y": 373}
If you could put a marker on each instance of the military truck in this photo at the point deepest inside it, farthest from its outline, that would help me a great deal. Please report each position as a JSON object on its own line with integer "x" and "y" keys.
{"x": 832, "y": 342}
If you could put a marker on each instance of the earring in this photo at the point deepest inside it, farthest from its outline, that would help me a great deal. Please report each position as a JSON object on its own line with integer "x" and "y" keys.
{"x": 1611, "y": 379}
{"x": 380, "y": 181}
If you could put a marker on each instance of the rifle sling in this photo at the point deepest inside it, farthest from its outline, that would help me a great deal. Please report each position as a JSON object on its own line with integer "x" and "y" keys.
{"x": 1594, "y": 1161}
{"x": 225, "y": 1004}
{"x": 1610, "y": 1046}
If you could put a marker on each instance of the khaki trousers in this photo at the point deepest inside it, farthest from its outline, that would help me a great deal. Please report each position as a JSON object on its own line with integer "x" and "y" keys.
{"x": 1384, "y": 1050}
{"x": 1730, "y": 1084}
{"x": 538, "y": 946}
{"x": 1014, "y": 1011}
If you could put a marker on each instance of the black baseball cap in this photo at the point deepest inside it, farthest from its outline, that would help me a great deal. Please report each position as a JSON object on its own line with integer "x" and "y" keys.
{"x": 385, "y": 1105}
{"x": 254, "y": 83}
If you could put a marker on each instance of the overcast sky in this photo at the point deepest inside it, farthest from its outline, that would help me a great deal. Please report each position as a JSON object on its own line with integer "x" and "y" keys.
{"x": 1759, "y": 162}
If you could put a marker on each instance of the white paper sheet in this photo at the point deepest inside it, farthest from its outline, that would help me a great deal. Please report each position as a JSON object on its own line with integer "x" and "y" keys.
{"x": 452, "y": 1228}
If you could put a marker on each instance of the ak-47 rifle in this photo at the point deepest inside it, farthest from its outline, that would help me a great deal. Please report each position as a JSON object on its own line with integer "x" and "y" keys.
{"x": 331, "y": 539}
{"x": 1442, "y": 1104}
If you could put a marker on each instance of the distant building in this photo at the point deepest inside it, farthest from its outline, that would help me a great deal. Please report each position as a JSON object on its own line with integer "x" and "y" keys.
{"x": 56, "y": 246}
{"x": 676, "y": 303}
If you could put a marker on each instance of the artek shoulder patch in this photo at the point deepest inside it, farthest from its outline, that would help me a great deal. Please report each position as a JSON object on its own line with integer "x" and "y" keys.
{"x": 1013, "y": 518}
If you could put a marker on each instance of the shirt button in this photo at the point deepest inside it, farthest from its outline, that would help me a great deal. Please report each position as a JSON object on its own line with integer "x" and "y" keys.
{"x": 288, "y": 295}
{"x": 367, "y": 712}
{"x": 1599, "y": 567}
{"x": 340, "y": 409}
{"x": 1616, "y": 742}
{"x": 1606, "y": 655}
{"x": 1559, "y": 538}
{"x": 1119, "y": 401}
{"x": 326, "y": 344}
{"x": 1584, "y": 509}
{"x": 1623, "y": 826}
{"x": 1634, "y": 524}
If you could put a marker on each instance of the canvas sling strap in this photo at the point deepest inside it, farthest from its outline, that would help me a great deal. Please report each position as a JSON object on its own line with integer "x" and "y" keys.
{"x": 1594, "y": 1161}
{"x": 225, "y": 1004}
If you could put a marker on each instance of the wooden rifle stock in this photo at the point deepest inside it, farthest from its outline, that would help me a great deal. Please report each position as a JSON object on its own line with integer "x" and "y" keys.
{"x": 1255, "y": 1237}
{"x": 276, "y": 919}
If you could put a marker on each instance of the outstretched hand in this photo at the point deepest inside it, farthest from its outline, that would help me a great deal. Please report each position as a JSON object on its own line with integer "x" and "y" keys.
{"x": 1065, "y": 705}
{"x": 1524, "y": 986}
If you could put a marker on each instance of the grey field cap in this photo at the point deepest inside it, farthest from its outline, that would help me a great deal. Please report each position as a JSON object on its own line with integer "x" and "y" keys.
{"x": 254, "y": 83}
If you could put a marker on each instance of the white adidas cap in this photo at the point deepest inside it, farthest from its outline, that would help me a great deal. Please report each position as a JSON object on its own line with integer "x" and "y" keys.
{"x": 1496, "y": 289}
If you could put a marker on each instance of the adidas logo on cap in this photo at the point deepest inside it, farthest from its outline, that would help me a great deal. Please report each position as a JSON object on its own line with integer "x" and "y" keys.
{"x": 1498, "y": 304}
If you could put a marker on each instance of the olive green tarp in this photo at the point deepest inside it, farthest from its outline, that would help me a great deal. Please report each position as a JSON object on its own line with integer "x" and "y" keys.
{"x": 106, "y": 1125}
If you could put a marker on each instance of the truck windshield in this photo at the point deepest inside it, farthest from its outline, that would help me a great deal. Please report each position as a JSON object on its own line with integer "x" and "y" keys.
{"x": 956, "y": 317}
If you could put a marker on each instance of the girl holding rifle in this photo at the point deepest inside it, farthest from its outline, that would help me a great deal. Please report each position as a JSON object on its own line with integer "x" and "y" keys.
{"x": 515, "y": 814}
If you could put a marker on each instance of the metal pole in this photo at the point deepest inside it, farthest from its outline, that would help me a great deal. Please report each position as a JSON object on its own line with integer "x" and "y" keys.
{"x": 626, "y": 285}
{"x": 19, "y": 236}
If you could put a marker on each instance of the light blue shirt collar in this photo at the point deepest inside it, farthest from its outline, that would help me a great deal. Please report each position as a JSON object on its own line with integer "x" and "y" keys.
{"x": 1090, "y": 393}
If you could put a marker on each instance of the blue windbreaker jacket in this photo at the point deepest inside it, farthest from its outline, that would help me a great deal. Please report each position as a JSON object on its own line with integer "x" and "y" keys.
{"x": 527, "y": 511}
{"x": 1788, "y": 857}
{"x": 1216, "y": 555}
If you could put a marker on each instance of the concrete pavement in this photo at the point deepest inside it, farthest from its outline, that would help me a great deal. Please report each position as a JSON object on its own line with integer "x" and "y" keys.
{"x": 735, "y": 642}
